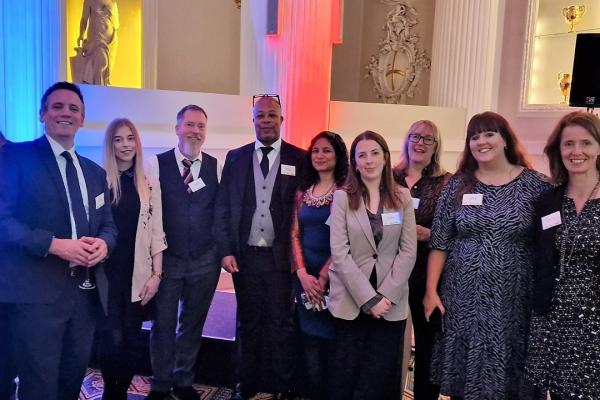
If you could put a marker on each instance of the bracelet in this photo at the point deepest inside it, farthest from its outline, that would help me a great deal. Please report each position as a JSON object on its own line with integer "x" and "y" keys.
{"x": 159, "y": 275}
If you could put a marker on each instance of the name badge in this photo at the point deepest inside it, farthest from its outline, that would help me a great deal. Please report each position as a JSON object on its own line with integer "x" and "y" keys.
{"x": 196, "y": 185}
{"x": 99, "y": 200}
{"x": 328, "y": 222}
{"x": 392, "y": 218}
{"x": 416, "y": 202}
{"x": 472, "y": 199}
{"x": 551, "y": 220}
{"x": 288, "y": 170}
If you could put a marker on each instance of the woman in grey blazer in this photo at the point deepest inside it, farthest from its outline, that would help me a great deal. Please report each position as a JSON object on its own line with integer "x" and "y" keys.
{"x": 373, "y": 251}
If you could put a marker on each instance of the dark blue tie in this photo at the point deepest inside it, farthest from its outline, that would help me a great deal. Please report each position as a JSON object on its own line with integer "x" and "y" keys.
{"x": 77, "y": 207}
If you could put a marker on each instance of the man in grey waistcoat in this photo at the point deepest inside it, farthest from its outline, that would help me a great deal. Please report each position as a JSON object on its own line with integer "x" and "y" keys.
{"x": 189, "y": 183}
{"x": 253, "y": 211}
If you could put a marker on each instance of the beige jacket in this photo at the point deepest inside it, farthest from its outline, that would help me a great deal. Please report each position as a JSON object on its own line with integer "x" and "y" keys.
{"x": 354, "y": 255}
{"x": 149, "y": 238}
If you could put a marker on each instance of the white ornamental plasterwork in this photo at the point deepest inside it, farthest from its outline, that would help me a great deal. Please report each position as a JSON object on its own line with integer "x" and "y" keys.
{"x": 396, "y": 69}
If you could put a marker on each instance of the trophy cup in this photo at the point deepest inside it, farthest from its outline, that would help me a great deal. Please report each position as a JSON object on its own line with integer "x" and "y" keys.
{"x": 573, "y": 15}
{"x": 564, "y": 83}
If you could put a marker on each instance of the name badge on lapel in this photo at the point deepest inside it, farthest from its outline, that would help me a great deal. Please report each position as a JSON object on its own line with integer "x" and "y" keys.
{"x": 392, "y": 218}
{"x": 196, "y": 185}
{"x": 99, "y": 200}
{"x": 551, "y": 220}
{"x": 289, "y": 170}
{"x": 416, "y": 202}
{"x": 472, "y": 199}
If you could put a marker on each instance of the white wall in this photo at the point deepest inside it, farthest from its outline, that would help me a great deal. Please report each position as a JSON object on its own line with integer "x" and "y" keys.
{"x": 230, "y": 120}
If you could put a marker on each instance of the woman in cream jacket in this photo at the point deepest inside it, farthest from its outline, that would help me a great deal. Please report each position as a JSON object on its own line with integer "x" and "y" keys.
{"x": 134, "y": 269}
{"x": 373, "y": 249}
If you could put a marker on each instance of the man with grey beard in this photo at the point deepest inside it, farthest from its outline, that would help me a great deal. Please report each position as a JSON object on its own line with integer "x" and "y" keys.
{"x": 189, "y": 183}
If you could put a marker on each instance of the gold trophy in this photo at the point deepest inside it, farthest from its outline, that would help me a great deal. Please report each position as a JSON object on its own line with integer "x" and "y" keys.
{"x": 564, "y": 83}
{"x": 573, "y": 15}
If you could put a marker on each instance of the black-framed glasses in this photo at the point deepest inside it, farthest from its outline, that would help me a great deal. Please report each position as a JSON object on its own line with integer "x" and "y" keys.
{"x": 416, "y": 138}
{"x": 263, "y": 95}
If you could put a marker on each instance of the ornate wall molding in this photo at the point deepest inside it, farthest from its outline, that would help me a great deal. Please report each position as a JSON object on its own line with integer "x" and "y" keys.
{"x": 396, "y": 68}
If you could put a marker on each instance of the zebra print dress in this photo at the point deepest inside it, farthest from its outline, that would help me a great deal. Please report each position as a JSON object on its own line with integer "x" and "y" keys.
{"x": 485, "y": 288}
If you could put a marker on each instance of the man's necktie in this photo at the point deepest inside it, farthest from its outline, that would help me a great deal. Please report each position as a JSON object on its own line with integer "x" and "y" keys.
{"x": 187, "y": 174}
{"x": 264, "y": 163}
{"x": 77, "y": 207}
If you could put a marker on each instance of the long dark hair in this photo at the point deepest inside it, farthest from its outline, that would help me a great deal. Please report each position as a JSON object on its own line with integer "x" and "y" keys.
{"x": 488, "y": 122}
{"x": 340, "y": 171}
{"x": 355, "y": 186}
{"x": 587, "y": 121}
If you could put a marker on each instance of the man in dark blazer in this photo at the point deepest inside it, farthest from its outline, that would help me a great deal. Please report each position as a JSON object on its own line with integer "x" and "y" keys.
{"x": 55, "y": 229}
{"x": 7, "y": 367}
{"x": 253, "y": 210}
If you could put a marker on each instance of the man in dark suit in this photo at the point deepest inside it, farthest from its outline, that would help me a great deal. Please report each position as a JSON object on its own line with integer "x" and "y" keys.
{"x": 189, "y": 185}
{"x": 7, "y": 367}
{"x": 55, "y": 229}
{"x": 253, "y": 211}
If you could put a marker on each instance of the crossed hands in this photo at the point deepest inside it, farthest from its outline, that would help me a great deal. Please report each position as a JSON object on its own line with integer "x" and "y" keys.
{"x": 313, "y": 287}
{"x": 85, "y": 251}
{"x": 381, "y": 308}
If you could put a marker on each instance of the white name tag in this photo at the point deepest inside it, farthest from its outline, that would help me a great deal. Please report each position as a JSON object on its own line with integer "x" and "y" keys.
{"x": 416, "y": 203}
{"x": 393, "y": 218}
{"x": 288, "y": 170}
{"x": 99, "y": 200}
{"x": 472, "y": 199}
{"x": 551, "y": 220}
{"x": 196, "y": 185}
{"x": 328, "y": 222}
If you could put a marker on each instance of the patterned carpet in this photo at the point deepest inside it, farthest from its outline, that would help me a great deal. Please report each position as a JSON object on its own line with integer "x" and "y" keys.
{"x": 140, "y": 386}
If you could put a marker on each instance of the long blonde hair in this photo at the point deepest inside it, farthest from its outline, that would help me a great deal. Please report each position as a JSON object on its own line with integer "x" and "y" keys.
{"x": 110, "y": 161}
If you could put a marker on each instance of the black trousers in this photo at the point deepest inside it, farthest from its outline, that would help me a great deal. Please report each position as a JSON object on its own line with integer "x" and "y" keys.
{"x": 118, "y": 336}
{"x": 55, "y": 342}
{"x": 423, "y": 388}
{"x": 366, "y": 358}
{"x": 317, "y": 361}
{"x": 265, "y": 322}
{"x": 8, "y": 369}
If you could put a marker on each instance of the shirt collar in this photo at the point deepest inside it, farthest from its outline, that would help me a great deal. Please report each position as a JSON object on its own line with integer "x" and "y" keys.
{"x": 180, "y": 157}
{"x": 58, "y": 149}
{"x": 276, "y": 145}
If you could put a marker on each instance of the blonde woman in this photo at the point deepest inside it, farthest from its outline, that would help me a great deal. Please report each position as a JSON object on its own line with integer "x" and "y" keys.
{"x": 134, "y": 269}
{"x": 420, "y": 171}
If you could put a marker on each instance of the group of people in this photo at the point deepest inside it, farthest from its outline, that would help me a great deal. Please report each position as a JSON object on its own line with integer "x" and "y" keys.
{"x": 330, "y": 251}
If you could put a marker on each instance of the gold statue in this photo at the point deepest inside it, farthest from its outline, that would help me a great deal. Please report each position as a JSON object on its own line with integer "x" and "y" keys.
{"x": 573, "y": 15}
{"x": 564, "y": 83}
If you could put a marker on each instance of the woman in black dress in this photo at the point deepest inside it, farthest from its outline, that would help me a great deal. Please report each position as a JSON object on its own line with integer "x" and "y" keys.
{"x": 420, "y": 171}
{"x": 134, "y": 269}
{"x": 564, "y": 342}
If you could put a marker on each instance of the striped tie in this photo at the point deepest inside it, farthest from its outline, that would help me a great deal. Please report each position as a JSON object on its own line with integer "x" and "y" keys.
{"x": 187, "y": 174}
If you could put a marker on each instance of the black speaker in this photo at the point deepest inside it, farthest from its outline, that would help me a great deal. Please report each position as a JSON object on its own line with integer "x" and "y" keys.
{"x": 585, "y": 83}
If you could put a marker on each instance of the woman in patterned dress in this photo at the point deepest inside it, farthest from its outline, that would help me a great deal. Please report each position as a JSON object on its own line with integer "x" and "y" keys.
{"x": 420, "y": 170}
{"x": 564, "y": 352}
{"x": 327, "y": 167}
{"x": 481, "y": 249}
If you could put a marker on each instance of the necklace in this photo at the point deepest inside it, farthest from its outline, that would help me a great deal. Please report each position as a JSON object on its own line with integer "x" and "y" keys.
{"x": 570, "y": 228}
{"x": 318, "y": 201}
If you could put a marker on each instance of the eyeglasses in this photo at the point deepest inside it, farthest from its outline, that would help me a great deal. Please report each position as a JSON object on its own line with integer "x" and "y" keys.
{"x": 261, "y": 96}
{"x": 416, "y": 138}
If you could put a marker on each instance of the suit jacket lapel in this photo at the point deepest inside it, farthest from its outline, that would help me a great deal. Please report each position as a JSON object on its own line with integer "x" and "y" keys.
{"x": 89, "y": 184}
{"x": 363, "y": 221}
{"x": 281, "y": 179}
{"x": 49, "y": 161}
